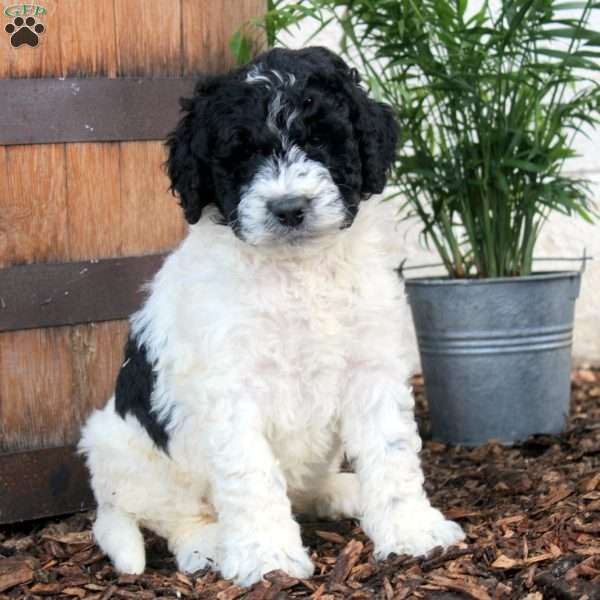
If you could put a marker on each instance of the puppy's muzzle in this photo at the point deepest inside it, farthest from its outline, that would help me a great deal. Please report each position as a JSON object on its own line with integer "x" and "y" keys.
{"x": 290, "y": 210}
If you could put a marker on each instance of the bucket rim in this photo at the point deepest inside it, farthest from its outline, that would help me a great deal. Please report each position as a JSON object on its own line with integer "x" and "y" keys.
{"x": 438, "y": 280}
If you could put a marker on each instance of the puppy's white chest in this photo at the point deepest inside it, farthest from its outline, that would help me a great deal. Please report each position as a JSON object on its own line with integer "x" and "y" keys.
{"x": 302, "y": 346}
{"x": 310, "y": 307}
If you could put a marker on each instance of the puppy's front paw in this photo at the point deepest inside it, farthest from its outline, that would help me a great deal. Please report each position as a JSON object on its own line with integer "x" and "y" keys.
{"x": 247, "y": 560}
{"x": 118, "y": 535}
{"x": 416, "y": 532}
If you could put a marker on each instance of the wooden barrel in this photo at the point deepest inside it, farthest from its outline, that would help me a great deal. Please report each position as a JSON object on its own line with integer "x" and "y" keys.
{"x": 84, "y": 212}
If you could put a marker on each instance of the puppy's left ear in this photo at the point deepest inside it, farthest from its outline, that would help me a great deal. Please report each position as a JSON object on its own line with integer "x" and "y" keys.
{"x": 188, "y": 162}
{"x": 377, "y": 133}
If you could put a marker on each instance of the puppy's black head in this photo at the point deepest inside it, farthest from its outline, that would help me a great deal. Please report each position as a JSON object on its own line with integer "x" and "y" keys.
{"x": 285, "y": 146}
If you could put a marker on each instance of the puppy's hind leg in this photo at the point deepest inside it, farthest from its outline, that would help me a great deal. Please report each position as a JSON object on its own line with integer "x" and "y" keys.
{"x": 335, "y": 496}
{"x": 119, "y": 536}
{"x": 194, "y": 543}
{"x": 339, "y": 497}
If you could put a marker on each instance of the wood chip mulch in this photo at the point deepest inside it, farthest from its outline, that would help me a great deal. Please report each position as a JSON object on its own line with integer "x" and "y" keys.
{"x": 531, "y": 513}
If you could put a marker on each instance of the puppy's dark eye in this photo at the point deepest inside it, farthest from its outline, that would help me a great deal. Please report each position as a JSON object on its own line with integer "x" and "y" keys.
{"x": 315, "y": 139}
{"x": 307, "y": 102}
{"x": 244, "y": 151}
{"x": 234, "y": 154}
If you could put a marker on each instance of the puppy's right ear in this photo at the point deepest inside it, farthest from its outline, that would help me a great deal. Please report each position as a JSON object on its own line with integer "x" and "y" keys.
{"x": 188, "y": 164}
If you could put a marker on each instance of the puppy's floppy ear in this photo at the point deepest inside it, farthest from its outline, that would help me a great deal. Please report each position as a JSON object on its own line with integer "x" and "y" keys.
{"x": 375, "y": 128}
{"x": 188, "y": 164}
{"x": 377, "y": 134}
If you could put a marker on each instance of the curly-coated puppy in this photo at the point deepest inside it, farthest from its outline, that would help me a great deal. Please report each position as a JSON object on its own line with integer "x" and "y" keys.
{"x": 271, "y": 342}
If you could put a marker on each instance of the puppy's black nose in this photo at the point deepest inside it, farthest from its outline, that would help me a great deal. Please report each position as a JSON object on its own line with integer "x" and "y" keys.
{"x": 289, "y": 211}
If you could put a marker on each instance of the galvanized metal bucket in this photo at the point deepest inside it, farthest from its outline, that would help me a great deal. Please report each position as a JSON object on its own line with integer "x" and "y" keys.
{"x": 496, "y": 354}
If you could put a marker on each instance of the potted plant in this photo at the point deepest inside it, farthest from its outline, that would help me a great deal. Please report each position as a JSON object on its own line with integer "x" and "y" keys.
{"x": 488, "y": 97}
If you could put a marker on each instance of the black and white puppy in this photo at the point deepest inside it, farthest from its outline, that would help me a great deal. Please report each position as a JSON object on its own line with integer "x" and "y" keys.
{"x": 271, "y": 341}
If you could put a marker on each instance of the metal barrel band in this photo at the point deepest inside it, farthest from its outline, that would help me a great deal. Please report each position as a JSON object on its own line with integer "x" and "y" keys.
{"x": 583, "y": 259}
{"x": 498, "y": 342}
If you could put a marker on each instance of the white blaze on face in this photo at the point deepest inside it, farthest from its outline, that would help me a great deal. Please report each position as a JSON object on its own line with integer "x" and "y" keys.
{"x": 289, "y": 173}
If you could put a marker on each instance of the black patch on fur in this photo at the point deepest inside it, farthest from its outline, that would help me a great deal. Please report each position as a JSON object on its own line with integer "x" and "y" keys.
{"x": 135, "y": 383}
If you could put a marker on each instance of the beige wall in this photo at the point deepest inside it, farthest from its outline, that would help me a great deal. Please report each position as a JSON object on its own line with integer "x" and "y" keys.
{"x": 562, "y": 237}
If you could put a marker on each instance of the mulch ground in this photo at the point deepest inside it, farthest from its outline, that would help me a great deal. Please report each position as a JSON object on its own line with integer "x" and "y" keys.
{"x": 531, "y": 513}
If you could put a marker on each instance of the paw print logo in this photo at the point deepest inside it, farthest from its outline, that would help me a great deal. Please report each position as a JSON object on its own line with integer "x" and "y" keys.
{"x": 24, "y": 31}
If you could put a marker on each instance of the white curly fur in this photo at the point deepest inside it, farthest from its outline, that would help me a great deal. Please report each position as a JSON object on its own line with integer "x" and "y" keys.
{"x": 271, "y": 361}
